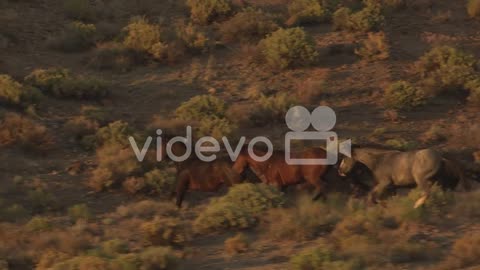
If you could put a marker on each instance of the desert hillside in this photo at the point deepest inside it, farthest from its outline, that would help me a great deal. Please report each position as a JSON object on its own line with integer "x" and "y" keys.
{"x": 78, "y": 78}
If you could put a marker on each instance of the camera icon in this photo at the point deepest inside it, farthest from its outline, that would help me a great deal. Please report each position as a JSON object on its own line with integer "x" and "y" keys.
{"x": 323, "y": 119}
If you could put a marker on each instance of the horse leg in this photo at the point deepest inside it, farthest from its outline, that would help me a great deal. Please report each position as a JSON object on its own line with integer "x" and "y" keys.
{"x": 182, "y": 186}
{"x": 425, "y": 186}
{"x": 319, "y": 188}
{"x": 377, "y": 191}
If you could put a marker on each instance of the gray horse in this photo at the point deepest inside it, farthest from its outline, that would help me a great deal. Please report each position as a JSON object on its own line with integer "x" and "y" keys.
{"x": 396, "y": 168}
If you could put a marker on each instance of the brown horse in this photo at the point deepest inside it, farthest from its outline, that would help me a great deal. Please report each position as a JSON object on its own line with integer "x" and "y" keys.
{"x": 195, "y": 174}
{"x": 275, "y": 170}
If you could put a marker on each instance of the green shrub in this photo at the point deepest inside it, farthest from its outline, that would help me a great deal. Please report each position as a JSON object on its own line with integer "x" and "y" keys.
{"x": 115, "y": 133}
{"x": 60, "y": 82}
{"x": 221, "y": 214}
{"x": 80, "y": 9}
{"x": 205, "y": 11}
{"x": 146, "y": 209}
{"x": 272, "y": 109}
{"x": 160, "y": 181}
{"x": 304, "y": 221}
{"x": 38, "y": 224}
{"x": 402, "y": 207}
{"x": 215, "y": 127}
{"x": 237, "y": 244}
{"x": 403, "y": 95}
{"x": 115, "y": 164}
{"x": 208, "y": 114}
{"x": 247, "y": 26}
{"x": 445, "y": 68}
{"x": 14, "y": 93}
{"x": 145, "y": 37}
{"x": 341, "y": 18}
{"x": 201, "y": 107}
{"x": 114, "y": 247}
{"x": 192, "y": 36}
{"x": 24, "y": 132}
{"x": 76, "y": 36}
{"x": 311, "y": 259}
{"x": 286, "y": 48}
{"x": 164, "y": 231}
{"x": 473, "y": 8}
{"x": 83, "y": 263}
{"x": 239, "y": 208}
{"x": 369, "y": 18}
{"x": 374, "y": 48}
{"x": 305, "y": 11}
{"x": 158, "y": 258}
{"x": 79, "y": 211}
{"x": 473, "y": 86}
{"x": 401, "y": 144}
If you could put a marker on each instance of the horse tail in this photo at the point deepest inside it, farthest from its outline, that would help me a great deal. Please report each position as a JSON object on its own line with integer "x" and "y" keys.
{"x": 454, "y": 169}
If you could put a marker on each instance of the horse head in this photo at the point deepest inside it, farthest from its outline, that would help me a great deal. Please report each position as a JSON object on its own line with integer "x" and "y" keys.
{"x": 346, "y": 166}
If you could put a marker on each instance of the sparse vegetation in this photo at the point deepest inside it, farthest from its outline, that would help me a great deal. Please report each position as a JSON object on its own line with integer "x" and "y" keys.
{"x": 79, "y": 212}
{"x": 322, "y": 257}
{"x": 24, "y": 132}
{"x": 165, "y": 231}
{"x": 370, "y": 18}
{"x": 447, "y": 69}
{"x": 145, "y": 37}
{"x": 14, "y": 93}
{"x": 76, "y": 36}
{"x": 248, "y": 25}
{"x": 115, "y": 133}
{"x": 80, "y": 9}
{"x": 374, "y": 48}
{"x": 403, "y": 95}
{"x": 205, "y": 11}
{"x": 74, "y": 196}
{"x": 305, "y": 11}
{"x": 271, "y": 109}
{"x": 80, "y": 127}
{"x": 114, "y": 56}
{"x": 236, "y": 244}
{"x": 193, "y": 38}
{"x": 240, "y": 208}
{"x": 306, "y": 220}
{"x": 115, "y": 164}
{"x": 61, "y": 83}
{"x": 208, "y": 114}
{"x": 287, "y": 48}
{"x": 401, "y": 144}
{"x": 464, "y": 253}
{"x": 39, "y": 224}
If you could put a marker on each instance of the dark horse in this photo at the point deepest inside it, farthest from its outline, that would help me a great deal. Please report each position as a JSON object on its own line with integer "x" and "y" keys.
{"x": 275, "y": 170}
{"x": 195, "y": 174}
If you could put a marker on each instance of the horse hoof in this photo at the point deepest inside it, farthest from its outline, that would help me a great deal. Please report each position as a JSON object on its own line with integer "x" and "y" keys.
{"x": 420, "y": 202}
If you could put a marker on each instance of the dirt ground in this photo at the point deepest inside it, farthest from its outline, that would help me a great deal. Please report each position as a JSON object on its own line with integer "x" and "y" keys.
{"x": 354, "y": 90}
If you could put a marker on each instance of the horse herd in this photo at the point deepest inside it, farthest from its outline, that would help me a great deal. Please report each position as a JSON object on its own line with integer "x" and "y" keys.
{"x": 388, "y": 168}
